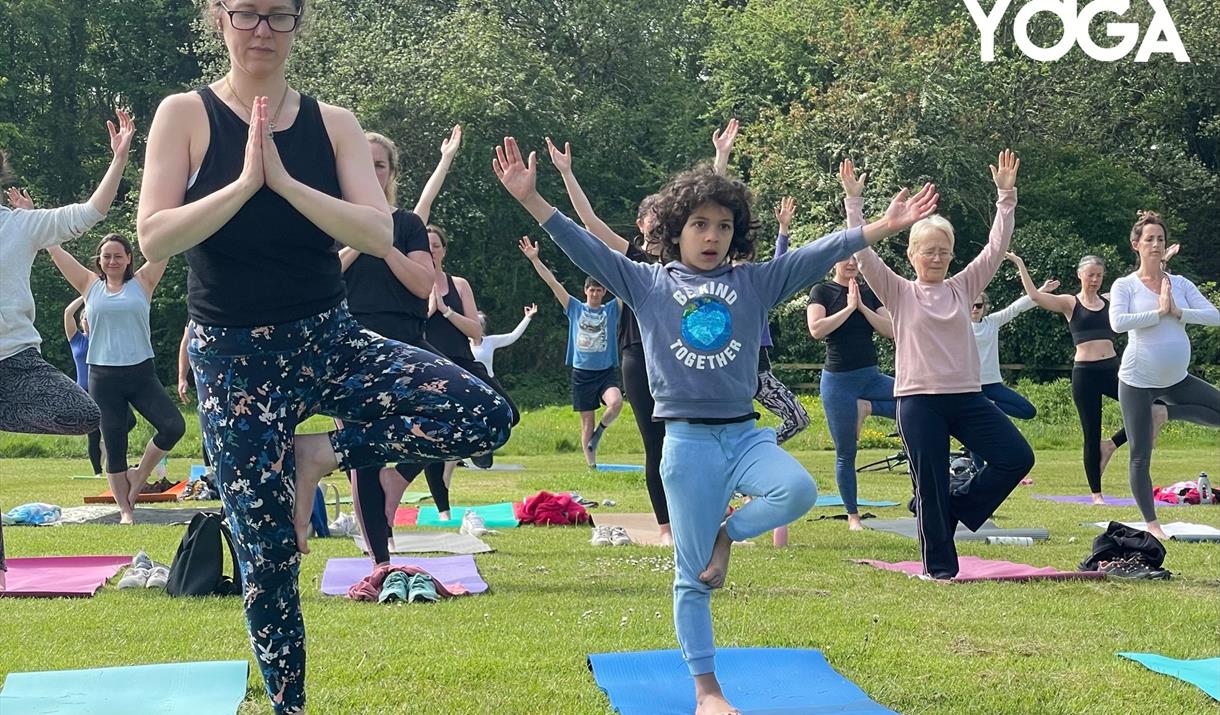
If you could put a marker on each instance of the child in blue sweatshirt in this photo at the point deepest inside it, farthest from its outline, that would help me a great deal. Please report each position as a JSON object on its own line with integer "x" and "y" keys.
{"x": 701, "y": 320}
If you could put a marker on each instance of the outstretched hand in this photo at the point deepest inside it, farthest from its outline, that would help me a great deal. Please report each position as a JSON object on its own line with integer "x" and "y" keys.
{"x": 451, "y": 144}
{"x": 723, "y": 140}
{"x": 561, "y": 159}
{"x": 121, "y": 136}
{"x": 1049, "y": 286}
{"x": 19, "y": 198}
{"x": 530, "y": 249}
{"x": 784, "y": 211}
{"x": 519, "y": 176}
{"x": 853, "y": 186}
{"x": 906, "y": 210}
{"x": 1005, "y": 176}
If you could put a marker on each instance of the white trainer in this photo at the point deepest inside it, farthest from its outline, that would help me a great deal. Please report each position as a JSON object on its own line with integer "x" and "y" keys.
{"x": 474, "y": 525}
{"x": 619, "y": 537}
{"x": 601, "y": 536}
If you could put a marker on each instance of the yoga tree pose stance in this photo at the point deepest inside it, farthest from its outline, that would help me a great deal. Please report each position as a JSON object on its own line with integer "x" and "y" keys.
{"x": 256, "y": 182}
{"x": 701, "y": 321}
{"x": 35, "y": 397}
{"x": 936, "y": 371}
{"x": 1155, "y": 308}
{"x": 1095, "y": 369}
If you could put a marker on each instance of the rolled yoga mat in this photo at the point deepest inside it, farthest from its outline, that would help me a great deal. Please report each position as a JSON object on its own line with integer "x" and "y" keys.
{"x": 906, "y": 527}
{"x": 1203, "y": 673}
{"x": 341, "y": 574}
{"x": 212, "y": 688}
{"x": 426, "y": 542}
{"x": 758, "y": 681}
{"x": 972, "y": 568}
{"x": 55, "y": 576}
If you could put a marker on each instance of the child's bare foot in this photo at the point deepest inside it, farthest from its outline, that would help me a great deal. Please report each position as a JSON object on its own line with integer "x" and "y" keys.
{"x": 1098, "y": 499}
{"x": 853, "y": 523}
{"x": 666, "y": 535}
{"x": 718, "y": 566}
{"x": 1107, "y": 450}
{"x": 312, "y": 463}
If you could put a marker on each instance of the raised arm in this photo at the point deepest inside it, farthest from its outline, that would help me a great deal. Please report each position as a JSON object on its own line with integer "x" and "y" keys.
{"x": 120, "y": 147}
{"x": 783, "y": 216}
{"x": 975, "y": 276}
{"x": 723, "y": 141}
{"x": 1122, "y": 319}
{"x": 1198, "y": 309}
{"x": 599, "y": 228}
{"x": 880, "y": 277}
{"x": 1049, "y": 301}
{"x": 531, "y": 251}
{"x": 70, "y": 329}
{"x": 79, "y": 277}
{"x": 449, "y": 150}
{"x": 1015, "y": 308}
{"x": 150, "y": 275}
{"x": 503, "y": 341}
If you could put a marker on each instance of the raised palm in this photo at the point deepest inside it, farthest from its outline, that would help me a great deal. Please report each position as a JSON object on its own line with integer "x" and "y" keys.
{"x": 120, "y": 136}
{"x": 1004, "y": 171}
{"x": 530, "y": 249}
{"x": 450, "y": 145}
{"x": 853, "y": 185}
{"x": 561, "y": 159}
{"x": 517, "y": 176}
{"x": 905, "y": 210}
{"x": 723, "y": 140}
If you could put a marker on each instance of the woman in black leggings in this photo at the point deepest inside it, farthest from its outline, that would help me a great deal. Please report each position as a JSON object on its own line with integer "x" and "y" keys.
{"x": 120, "y": 358}
{"x": 1095, "y": 370}
{"x": 76, "y": 330}
{"x": 630, "y": 342}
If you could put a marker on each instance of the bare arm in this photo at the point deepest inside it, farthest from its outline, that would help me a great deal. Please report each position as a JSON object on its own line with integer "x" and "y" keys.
{"x": 432, "y": 189}
{"x": 1064, "y": 304}
{"x": 879, "y": 319}
{"x": 580, "y": 202}
{"x": 531, "y": 252}
{"x": 347, "y": 256}
{"x": 723, "y": 141}
{"x": 79, "y": 277}
{"x": 150, "y": 275}
{"x": 70, "y": 330}
{"x": 466, "y": 321}
{"x": 184, "y": 364}
{"x": 415, "y": 271}
{"x": 820, "y": 324}
{"x": 120, "y": 146}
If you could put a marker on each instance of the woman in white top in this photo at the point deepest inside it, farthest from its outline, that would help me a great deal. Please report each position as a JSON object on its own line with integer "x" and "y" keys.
{"x": 1154, "y": 307}
{"x": 120, "y": 357}
{"x": 485, "y": 347}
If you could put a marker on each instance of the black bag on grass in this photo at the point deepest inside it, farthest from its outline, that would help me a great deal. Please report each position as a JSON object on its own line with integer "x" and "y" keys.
{"x": 198, "y": 568}
{"x": 1121, "y": 542}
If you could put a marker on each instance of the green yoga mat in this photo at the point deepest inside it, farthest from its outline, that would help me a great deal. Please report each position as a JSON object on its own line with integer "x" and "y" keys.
{"x": 214, "y": 688}
{"x": 407, "y": 498}
{"x": 497, "y": 516}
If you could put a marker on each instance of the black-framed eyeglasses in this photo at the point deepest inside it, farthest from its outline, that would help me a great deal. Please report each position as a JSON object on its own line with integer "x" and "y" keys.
{"x": 246, "y": 21}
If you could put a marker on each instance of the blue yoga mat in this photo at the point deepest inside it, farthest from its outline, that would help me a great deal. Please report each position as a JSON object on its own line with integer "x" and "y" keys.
{"x": 197, "y": 472}
{"x": 759, "y": 681}
{"x": 212, "y": 688}
{"x": 836, "y": 500}
{"x": 620, "y": 468}
{"x": 1204, "y": 673}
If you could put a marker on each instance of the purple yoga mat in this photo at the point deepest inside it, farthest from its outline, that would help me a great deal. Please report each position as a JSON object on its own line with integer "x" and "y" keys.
{"x": 972, "y": 568}
{"x": 53, "y": 576}
{"x": 1086, "y": 499}
{"x": 341, "y": 574}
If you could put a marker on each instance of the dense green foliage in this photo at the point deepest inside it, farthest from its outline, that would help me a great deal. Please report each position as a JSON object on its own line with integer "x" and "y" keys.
{"x": 637, "y": 87}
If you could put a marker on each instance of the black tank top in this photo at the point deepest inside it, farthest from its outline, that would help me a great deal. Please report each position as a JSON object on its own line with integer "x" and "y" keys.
{"x": 374, "y": 290}
{"x": 444, "y": 335}
{"x": 628, "y": 327}
{"x": 1087, "y": 325}
{"x": 269, "y": 264}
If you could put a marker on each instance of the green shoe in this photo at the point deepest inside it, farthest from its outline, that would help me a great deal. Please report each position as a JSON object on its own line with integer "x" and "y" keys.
{"x": 394, "y": 588}
{"x": 421, "y": 588}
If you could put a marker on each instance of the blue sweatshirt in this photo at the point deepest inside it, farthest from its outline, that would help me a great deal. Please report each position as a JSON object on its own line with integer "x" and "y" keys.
{"x": 702, "y": 330}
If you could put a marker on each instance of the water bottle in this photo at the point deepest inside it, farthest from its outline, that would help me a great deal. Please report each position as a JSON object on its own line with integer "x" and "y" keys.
{"x": 163, "y": 467}
{"x": 1205, "y": 489}
{"x": 1011, "y": 540}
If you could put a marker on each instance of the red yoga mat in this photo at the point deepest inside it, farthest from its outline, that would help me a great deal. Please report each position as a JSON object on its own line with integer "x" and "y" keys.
{"x": 171, "y": 494}
{"x": 406, "y": 516}
{"x": 54, "y": 576}
{"x": 972, "y": 568}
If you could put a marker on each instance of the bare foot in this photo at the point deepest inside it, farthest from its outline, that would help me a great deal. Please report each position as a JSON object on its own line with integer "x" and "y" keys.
{"x": 718, "y": 566}
{"x": 443, "y": 515}
{"x": 136, "y": 481}
{"x": 853, "y": 523}
{"x": 394, "y": 487}
{"x": 1154, "y": 528}
{"x": 120, "y": 487}
{"x": 311, "y": 465}
{"x": 1107, "y": 450}
{"x": 1098, "y": 499}
{"x": 714, "y": 704}
{"x": 666, "y": 535}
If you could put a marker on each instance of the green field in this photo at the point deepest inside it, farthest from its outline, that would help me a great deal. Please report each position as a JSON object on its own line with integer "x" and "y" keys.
{"x": 916, "y": 647}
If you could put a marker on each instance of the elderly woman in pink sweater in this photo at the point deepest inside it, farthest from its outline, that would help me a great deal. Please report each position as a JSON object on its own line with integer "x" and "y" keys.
{"x": 937, "y": 371}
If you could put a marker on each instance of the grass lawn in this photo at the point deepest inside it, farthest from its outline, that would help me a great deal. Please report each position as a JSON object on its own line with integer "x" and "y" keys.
{"x": 915, "y": 647}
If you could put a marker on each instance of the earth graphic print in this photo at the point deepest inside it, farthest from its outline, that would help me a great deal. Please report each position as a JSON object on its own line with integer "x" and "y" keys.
{"x": 707, "y": 324}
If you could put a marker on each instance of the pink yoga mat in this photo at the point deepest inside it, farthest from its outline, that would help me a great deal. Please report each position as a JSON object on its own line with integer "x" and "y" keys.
{"x": 341, "y": 574}
{"x": 406, "y": 516}
{"x": 53, "y": 576}
{"x": 972, "y": 568}
{"x": 1086, "y": 499}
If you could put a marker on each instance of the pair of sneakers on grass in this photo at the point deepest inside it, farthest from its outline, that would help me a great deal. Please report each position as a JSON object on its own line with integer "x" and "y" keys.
{"x": 610, "y": 536}
{"x": 144, "y": 573}
{"x": 408, "y": 588}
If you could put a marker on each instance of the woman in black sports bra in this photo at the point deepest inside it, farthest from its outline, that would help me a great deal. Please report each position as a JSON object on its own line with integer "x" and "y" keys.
{"x": 1095, "y": 370}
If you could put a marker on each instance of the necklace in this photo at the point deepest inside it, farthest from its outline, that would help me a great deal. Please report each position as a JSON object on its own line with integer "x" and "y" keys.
{"x": 280, "y": 108}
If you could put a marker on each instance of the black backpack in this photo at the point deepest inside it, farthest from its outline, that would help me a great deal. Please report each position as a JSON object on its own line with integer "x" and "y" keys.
{"x": 198, "y": 568}
{"x": 1121, "y": 542}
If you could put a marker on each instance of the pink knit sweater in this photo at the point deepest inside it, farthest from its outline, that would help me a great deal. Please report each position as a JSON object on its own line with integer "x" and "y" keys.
{"x": 934, "y": 344}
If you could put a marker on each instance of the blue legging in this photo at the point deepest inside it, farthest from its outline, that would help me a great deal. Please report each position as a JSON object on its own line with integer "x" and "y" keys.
{"x": 840, "y": 390}
{"x": 257, "y": 384}
{"x": 702, "y": 466}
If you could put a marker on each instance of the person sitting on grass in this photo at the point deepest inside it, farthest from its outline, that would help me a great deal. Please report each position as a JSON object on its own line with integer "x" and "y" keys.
{"x": 592, "y": 353}
{"x": 701, "y": 321}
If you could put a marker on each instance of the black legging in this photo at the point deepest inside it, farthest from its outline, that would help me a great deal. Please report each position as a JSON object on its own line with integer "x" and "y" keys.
{"x": 635, "y": 381}
{"x": 1091, "y": 381}
{"x": 95, "y": 443}
{"x": 117, "y": 388}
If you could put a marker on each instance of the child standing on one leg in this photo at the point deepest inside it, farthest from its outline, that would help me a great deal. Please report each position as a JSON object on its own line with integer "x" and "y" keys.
{"x": 701, "y": 321}
{"x": 592, "y": 353}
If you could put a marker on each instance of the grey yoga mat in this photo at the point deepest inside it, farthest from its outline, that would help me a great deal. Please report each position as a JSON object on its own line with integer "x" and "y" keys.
{"x": 906, "y": 527}
{"x": 426, "y": 542}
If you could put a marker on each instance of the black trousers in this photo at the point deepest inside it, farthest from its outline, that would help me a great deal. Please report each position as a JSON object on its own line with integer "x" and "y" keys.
{"x": 95, "y": 443}
{"x": 635, "y": 383}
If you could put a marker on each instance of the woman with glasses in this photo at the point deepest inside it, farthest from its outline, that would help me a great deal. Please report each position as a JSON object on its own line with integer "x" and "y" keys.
{"x": 937, "y": 373}
{"x": 256, "y": 182}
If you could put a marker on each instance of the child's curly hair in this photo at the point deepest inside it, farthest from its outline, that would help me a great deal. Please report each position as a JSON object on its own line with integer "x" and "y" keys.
{"x": 691, "y": 189}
